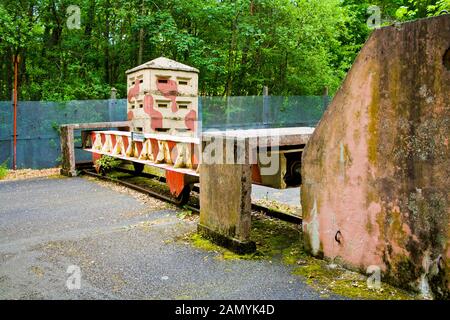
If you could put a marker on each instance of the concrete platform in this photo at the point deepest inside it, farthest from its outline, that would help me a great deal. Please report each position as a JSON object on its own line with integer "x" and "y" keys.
{"x": 267, "y": 137}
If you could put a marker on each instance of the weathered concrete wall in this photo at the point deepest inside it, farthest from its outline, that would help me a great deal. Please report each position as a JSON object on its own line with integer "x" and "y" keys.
{"x": 377, "y": 167}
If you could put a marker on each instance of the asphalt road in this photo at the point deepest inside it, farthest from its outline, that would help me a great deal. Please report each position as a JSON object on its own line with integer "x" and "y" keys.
{"x": 125, "y": 249}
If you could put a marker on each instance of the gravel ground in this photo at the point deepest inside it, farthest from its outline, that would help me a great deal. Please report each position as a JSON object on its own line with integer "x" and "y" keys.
{"x": 30, "y": 173}
{"x": 126, "y": 245}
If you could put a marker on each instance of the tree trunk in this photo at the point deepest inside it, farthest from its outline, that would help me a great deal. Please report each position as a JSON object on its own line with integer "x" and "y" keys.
{"x": 141, "y": 37}
{"x": 107, "y": 35}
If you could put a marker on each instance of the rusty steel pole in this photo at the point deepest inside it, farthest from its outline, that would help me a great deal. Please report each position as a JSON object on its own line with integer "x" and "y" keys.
{"x": 16, "y": 60}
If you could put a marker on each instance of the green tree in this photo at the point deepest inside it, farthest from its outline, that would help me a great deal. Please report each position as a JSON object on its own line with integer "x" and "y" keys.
{"x": 239, "y": 46}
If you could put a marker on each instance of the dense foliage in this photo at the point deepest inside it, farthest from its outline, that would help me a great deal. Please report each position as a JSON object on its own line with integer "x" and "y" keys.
{"x": 293, "y": 47}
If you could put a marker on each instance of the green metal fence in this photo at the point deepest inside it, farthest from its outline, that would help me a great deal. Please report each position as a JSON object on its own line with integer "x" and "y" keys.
{"x": 38, "y": 122}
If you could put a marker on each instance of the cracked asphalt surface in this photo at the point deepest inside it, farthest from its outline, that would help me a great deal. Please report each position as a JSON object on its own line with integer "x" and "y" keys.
{"x": 125, "y": 249}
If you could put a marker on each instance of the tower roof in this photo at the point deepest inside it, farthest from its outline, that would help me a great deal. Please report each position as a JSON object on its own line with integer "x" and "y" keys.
{"x": 162, "y": 63}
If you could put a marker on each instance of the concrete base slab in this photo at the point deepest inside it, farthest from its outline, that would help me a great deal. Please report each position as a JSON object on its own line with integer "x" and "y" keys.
{"x": 68, "y": 173}
{"x": 233, "y": 244}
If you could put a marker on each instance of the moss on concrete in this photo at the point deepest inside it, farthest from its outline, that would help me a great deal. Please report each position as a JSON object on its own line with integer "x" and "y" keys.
{"x": 274, "y": 239}
{"x": 369, "y": 226}
{"x": 279, "y": 241}
{"x": 223, "y": 254}
{"x": 395, "y": 228}
{"x": 331, "y": 278}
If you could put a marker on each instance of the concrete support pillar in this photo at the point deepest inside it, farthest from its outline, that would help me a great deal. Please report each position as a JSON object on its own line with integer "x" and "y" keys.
{"x": 225, "y": 202}
{"x": 67, "y": 151}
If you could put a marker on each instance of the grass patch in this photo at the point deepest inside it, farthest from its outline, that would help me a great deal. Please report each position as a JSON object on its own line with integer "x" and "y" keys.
{"x": 3, "y": 170}
{"x": 118, "y": 175}
{"x": 107, "y": 163}
{"x": 185, "y": 215}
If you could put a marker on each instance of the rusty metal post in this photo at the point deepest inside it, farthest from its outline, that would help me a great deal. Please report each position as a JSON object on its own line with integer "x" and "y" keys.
{"x": 16, "y": 60}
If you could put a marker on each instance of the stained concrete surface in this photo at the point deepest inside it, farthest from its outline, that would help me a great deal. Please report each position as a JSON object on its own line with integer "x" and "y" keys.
{"x": 125, "y": 249}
